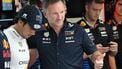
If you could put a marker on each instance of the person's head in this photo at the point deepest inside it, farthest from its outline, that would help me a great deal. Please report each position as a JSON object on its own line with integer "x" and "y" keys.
{"x": 37, "y": 3}
{"x": 93, "y": 9}
{"x": 118, "y": 8}
{"x": 54, "y": 11}
{"x": 18, "y": 5}
{"x": 27, "y": 21}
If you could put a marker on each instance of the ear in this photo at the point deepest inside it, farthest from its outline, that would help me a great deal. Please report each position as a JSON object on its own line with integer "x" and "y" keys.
{"x": 44, "y": 13}
{"x": 86, "y": 7}
{"x": 20, "y": 23}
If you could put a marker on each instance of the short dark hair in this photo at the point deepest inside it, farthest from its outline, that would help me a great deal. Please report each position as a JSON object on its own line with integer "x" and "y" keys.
{"x": 96, "y": 1}
{"x": 117, "y": 1}
{"x": 16, "y": 19}
{"x": 46, "y": 3}
{"x": 33, "y": 2}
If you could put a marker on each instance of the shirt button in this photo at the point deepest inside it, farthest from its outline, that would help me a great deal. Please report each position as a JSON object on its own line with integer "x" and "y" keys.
{"x": 58, "y": 53}
{"x": 58, "y": 63}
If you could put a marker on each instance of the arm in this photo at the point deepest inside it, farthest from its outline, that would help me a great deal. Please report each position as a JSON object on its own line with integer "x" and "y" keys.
{"x": 33, "y": 57}
{"x": 112, "y": 62}
{"x": 85, "y": 56}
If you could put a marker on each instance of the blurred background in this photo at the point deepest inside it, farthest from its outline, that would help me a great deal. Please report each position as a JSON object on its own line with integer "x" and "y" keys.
{"x": 75, "y": 9}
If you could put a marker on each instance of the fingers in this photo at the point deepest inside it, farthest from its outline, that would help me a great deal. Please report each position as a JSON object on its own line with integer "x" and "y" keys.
{"x": 98, "y": 66}
{"x": 113, "y": 48}
{"x": 101, "y": 48}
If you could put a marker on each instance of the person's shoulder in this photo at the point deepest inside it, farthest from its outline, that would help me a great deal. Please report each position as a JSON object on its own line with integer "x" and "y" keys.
{"x": 8, "y": 29}
{"x": 1, "y": 33}
{"x": 74, "y": 26}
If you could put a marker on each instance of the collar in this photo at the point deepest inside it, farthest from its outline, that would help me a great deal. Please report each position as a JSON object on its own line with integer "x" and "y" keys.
{"x": 48, "y": 27}
{"x": 114, "y": 22}
{"x": 89, "y": 25}
{"x": 15, "y": 34}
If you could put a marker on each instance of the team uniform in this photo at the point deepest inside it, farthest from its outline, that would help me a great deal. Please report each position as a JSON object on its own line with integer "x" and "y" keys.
{"x": 64, "y": 51}
{"x": 4, "y": 52}
{"x": 102, "y": 33}
{"x": 19, "y": 49}
{"x": 117, "y": 35}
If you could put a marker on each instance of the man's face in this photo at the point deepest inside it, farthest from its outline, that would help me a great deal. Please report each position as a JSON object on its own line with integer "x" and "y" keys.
{"x": 118, "y": 8}
{"x": 93, "y": 10}
{"x": 55, "y": 13}
{"x": 25, "y": 30}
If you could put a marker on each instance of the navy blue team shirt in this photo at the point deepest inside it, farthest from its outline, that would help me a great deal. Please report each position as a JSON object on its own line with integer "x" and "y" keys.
{"x": 64, "y": 51}
{"x": 4, "y": 52}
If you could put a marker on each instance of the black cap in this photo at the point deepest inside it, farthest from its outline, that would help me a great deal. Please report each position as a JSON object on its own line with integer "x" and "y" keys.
{"x": 32, "y": 15}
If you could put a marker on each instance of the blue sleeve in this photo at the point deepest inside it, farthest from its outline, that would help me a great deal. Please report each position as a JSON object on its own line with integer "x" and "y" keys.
{"x": 88, "y": 45}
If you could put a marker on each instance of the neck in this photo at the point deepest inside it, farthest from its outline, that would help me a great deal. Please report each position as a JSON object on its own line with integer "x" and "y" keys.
{"x": 57, "y": 28}
{"x": 91, "y": 22}
{"x": 17, "y": 29}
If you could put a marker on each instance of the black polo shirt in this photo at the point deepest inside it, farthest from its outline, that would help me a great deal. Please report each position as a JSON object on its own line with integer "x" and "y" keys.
{"x": 117, "y": 34}
{"x": 64, "y": 51}
{"x": 4, "y": 52}
{"x": 101, "y": 33}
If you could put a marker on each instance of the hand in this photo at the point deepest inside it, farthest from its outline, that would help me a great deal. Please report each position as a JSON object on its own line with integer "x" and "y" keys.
{"x": 113, "y": 50}
{"x": 101, "y": 48}
{"x": 98, "y": 64}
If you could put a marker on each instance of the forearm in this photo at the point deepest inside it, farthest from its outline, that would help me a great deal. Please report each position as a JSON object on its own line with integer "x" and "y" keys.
{"x": 112, "y": 62}
{"x": 94, "y": 56}
{"x": 33, "y": 57}
{"x": 85, "y": 56}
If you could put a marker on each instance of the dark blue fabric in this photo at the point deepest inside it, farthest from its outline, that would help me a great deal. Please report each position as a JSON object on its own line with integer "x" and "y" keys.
{"x": 86, "y": 64}
{"x": 101, "y": 33}
{"x": 64, "y": 51}
{"x": 117, "y": 34}
{"x": 36, "y": 65}
{"x": 4, "y": 52}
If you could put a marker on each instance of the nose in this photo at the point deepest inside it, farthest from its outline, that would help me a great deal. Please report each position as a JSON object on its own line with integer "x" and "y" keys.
{"x": 98, "y": 12}
{"x": 59, "y": 16}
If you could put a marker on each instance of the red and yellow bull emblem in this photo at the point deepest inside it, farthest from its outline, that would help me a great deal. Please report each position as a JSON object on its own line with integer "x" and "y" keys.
{"x": 82, "y": 23}
{"x": 5, "y": 44}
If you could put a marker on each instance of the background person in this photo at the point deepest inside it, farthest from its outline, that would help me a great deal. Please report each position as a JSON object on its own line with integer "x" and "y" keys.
{"x": 99, "y": 32}
{"x": 116, "y": 24}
